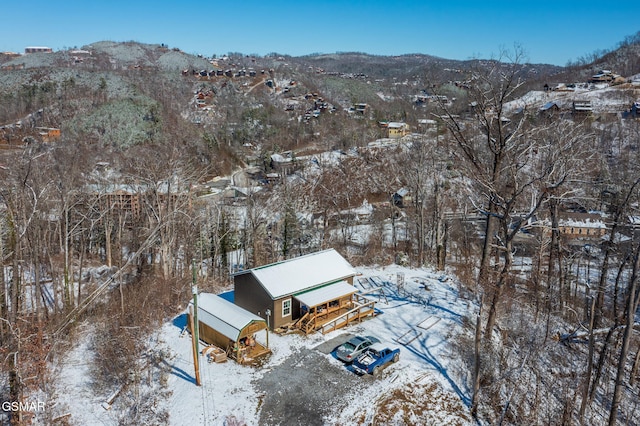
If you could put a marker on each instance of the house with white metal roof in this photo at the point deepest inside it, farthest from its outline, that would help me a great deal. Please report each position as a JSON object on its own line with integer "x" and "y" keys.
{"x": 229, "y": 327}
{"x": 310, "y": 292}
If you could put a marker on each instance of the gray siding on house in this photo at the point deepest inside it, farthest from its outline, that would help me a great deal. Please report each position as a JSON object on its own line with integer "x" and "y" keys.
{"x": 250, "y": 295}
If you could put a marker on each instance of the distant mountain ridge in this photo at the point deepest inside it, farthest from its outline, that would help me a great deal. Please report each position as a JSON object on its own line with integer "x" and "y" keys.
{"x": 125, "y": 93}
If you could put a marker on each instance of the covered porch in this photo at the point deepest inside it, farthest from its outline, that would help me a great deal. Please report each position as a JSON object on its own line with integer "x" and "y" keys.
{"x": 246, "y": 349}
{"x": 331, "y": 307}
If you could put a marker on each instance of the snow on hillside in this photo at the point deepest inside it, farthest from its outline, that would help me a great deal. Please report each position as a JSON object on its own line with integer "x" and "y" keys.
{"x": 604, "y": 98}
{"x": 302, "y": 382}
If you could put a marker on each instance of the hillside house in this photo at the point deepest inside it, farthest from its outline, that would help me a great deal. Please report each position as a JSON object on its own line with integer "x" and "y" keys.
{"x": 425, "y": 125}
{"x": 227, "y": 326}
{"x": 128, "y": 199}
{"x": 604, "y": 76}
{"x": 396, "y": 130}
{"x": 401, "y": 198}
{"x": 582, "y": 107}
{"x": 550, "y": 108}
{"x": 123, "y": 199}
{"x": 581, "y": 225}
{"x": 562, "y": 87}
{"x": 360, "y": 108}
{"x": 49, "y": 134}
{"x": 311, "y": 292}
{"x": 37, "y": 49}
{"x": 285, "y": 163}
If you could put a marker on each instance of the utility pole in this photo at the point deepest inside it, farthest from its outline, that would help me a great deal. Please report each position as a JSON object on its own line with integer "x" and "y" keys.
{"x": 268, "y": 313}
{"x": 195, "y": 335}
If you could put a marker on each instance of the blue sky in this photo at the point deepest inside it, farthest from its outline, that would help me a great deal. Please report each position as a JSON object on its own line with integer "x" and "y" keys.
{"x": 548, "y": 31}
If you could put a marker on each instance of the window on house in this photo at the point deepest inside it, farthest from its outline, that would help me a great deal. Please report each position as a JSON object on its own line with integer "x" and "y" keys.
{"x": 286, "y": 308}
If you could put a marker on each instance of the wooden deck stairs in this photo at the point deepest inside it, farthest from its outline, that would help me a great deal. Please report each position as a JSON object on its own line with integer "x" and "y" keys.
{"x": 358, "y": 309}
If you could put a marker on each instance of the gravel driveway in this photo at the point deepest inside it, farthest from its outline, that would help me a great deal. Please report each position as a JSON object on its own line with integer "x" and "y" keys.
{"x": 307, "y": 387}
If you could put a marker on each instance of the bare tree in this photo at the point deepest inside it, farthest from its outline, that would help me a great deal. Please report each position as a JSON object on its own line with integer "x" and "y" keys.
{"x": 514, "y": 167}
{"x": 486, "y": 143}
{"x": 630, "y": 314}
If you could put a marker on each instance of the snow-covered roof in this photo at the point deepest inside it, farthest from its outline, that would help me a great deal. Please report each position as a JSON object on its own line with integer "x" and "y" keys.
{"x": 247, "y": 190}
{"x": 402, "y": 192}
{"x": 396, "y": 125}
{"x": 302, "y": 273}
{"x": 327, "y": 293}
{"x": 582, "y": 220}
{"x": 548, "y": 105}
{"x": 223, "y": 316}
{"x": 365, "y": 209}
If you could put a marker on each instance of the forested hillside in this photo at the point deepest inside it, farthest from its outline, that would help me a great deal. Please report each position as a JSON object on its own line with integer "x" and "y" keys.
{"x": 126, "y": 169}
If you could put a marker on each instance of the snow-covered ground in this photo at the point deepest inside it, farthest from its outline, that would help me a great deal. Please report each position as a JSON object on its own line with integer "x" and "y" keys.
{"x": 424, "y": 388}
{"x": 604, "y": 98}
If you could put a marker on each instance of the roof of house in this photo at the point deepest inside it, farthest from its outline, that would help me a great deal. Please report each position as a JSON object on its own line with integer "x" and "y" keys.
{"x": 402, "y": 192}
{"x": 549, "y": 105}
{"x": 321, "y": 295}
{"x": 581, "y": 220}
{"x": 223, "y": 316}
{"x": 302, "y": 273}
{"x": 582, "y": 106}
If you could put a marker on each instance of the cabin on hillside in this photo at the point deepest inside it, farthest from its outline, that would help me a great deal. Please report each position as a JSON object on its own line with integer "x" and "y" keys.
{"x": 359, "y": 108}
{"x": 309, "y": 293}
{"x": 549, "y": 110}
{"x": 581, "y": 225}
{"x": 604, "y": 76}
{"x": 284, "y": 163}
{"x": 37, "y": 49}
{"x": 425, "y": 125}
{"x": 582, "y": 107}
{"x": 401, "y": 198}
{"x": 550, "y": 107}
{"x": 49, "y": 134}
{"x": 397, "y": 129}
{"x": 122, "y": 198}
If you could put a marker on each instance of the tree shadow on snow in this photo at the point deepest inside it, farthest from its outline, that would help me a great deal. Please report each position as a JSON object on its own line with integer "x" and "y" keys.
{"x": 179, "y": 372}
{"x": 429, "y": 358}
{"x": 455, "y": 317}
{"x": 420, "y": 349}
